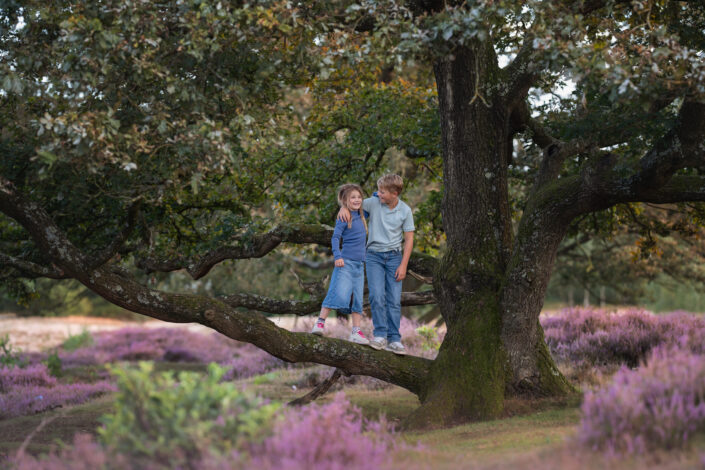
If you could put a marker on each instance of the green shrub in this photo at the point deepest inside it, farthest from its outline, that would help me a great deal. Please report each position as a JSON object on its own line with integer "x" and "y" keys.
{"x": 430, "y": 337}
{"x": 53, "y": 363}
{"x": 8, "y": 357}
{"x": 81, "y": 340}
{"x": 176, "y": 418}
{"x": 267, "y": 378}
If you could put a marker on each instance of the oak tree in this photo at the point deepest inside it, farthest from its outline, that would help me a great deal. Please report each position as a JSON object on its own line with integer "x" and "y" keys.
{"x": 177, "y": 134}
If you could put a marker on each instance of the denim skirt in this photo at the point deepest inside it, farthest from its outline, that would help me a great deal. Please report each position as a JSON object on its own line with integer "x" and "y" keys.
{"x": 346, "y": 287}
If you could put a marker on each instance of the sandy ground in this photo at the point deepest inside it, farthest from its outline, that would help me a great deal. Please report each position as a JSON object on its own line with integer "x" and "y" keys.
{"x": 38, "y": 333}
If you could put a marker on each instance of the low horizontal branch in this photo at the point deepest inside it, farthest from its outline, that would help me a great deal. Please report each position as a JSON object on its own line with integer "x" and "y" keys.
{"x": 307, "y": 307}
{"x": 252, "y": 327}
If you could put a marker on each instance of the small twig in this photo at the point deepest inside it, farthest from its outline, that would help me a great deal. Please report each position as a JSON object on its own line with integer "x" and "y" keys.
{"x": 320, "y": 389}
{"x": 314, "y": 288}
{"x": 419, "y": 277}
{"x": 325, "y": 264}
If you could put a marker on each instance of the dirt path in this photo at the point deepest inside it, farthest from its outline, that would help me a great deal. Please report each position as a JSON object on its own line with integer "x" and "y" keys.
{"x": 37, "y": 333}
{"x": 31, "y": 334}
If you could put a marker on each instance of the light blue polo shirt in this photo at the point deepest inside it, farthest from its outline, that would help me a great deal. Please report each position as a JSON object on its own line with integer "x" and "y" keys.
{"x": 386, "y": 226}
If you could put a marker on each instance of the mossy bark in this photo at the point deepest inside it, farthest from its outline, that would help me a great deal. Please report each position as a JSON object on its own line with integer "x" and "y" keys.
{"x": 530, "y": 367}
{"x": 489, "y": 289}
{"x": 466, "y": 381}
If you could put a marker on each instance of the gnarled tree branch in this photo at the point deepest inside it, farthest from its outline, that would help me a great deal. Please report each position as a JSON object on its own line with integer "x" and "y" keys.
{"x": 307, "y": 307}
{"x": 521, "y": 73}
{"x": 408, "y": 372}
{"x": 258, "y": 246}
{"x": 680, "y": 188}
{"x": 683, "y": 146}
{"x": 103, "y": 256}
{"x": 254, "y": 247}
{"x": 31, "y": 270}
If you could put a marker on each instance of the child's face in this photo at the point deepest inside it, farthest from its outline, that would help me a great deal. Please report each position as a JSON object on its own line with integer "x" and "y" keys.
{"x": 386, "y": 196}
{"x": 354, "y": 201}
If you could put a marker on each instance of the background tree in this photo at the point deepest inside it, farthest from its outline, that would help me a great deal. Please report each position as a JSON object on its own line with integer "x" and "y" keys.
{"x": 141, "y": 136}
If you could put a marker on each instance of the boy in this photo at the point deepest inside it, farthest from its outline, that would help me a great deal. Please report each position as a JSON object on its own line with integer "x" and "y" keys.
{"x": 390, "y": 222}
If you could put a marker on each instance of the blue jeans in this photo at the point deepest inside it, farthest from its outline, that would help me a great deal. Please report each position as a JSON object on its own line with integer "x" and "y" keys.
{"x": 346, "y": 287}
{"x": 385, "y": 293}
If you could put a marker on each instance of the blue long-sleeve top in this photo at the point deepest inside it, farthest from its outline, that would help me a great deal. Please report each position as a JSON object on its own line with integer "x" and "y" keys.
{"x": 353, "y": 239}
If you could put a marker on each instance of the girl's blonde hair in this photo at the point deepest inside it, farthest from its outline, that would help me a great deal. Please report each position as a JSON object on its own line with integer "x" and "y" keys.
{"x": 344, "y": 193}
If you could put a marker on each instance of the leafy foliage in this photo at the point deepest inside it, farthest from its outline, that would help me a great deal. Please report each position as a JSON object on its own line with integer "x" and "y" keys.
{"x": 223, "y": 119}
{"x": 8, "y": 357}
{"x": 80, "y": 340}
{"x": 54, "y": 364}
{"x": 174, "y": 418}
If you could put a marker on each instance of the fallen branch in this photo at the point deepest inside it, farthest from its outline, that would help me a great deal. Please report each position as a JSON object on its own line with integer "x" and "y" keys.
{"x": 319, "y": 389}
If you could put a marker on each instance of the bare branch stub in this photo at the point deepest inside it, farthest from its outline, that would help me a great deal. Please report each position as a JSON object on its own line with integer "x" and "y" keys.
{"x": 319, "y": 389}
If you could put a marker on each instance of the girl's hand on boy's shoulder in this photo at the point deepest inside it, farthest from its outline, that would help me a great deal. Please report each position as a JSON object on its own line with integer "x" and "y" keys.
{"x": 339, "y": 263}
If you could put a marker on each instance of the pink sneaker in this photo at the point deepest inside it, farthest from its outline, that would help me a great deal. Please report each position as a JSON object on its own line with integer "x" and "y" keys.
{"x": 358, "y": 338}
{"x": 318, "y": 328}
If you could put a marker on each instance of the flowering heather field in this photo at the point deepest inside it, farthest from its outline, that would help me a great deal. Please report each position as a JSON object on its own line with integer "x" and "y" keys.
{"x": 656, "y": 398}
{"x": 32, "y": 390}
{"x": 597, "y": 337}
{"x": 649, "y": 393}
{"x": 220, "y": 427}
{"x": 659, "y": 405}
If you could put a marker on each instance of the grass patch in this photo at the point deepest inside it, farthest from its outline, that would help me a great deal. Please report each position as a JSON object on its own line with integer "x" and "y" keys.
{"x": 395, "y": 403}
{"x": 66, "y": 423}
{"x": 491, "y": 442}
{"x": 81, "y": 340}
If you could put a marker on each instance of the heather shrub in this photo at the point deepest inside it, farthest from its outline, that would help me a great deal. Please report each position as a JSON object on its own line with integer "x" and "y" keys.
{"x": 155, "y": 344}
{"x": 598, "y": 338}
{"x": 31, "y": 399}
{"x": 329, "y": 436}
{"x": 661, "y": 404}
{"x": 84, "y": 454}
{"x": 251, "y": 361}
{"x": 33, "y": 389}
{"x": 180, "y": 418}
{"x": 33, "y": 375}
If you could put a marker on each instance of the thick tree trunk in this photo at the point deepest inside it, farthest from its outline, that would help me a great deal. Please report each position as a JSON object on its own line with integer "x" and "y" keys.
{"x": 530, "y": 368}
{"x": 490, "y": 293}
{"x": 467, "y": 379}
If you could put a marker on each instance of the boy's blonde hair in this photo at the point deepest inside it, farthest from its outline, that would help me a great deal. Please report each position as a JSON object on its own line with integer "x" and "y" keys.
{"x": 344, "y": 193}
{"x": 391, "y": 182}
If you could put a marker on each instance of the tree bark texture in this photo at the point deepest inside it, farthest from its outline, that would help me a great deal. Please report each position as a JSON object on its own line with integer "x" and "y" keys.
{"x": 467, "y": 379}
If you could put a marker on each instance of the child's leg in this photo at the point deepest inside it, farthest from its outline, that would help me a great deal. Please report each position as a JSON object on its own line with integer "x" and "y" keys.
{"x": 393, "y": 298}
{"x": 356, "y": 336}
{"x": 320, "y": 323}
{"x": 374, "y": 265}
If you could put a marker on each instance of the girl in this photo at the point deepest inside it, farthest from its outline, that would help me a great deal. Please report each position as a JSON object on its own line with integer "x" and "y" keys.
{"x": 348, "y": 275}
